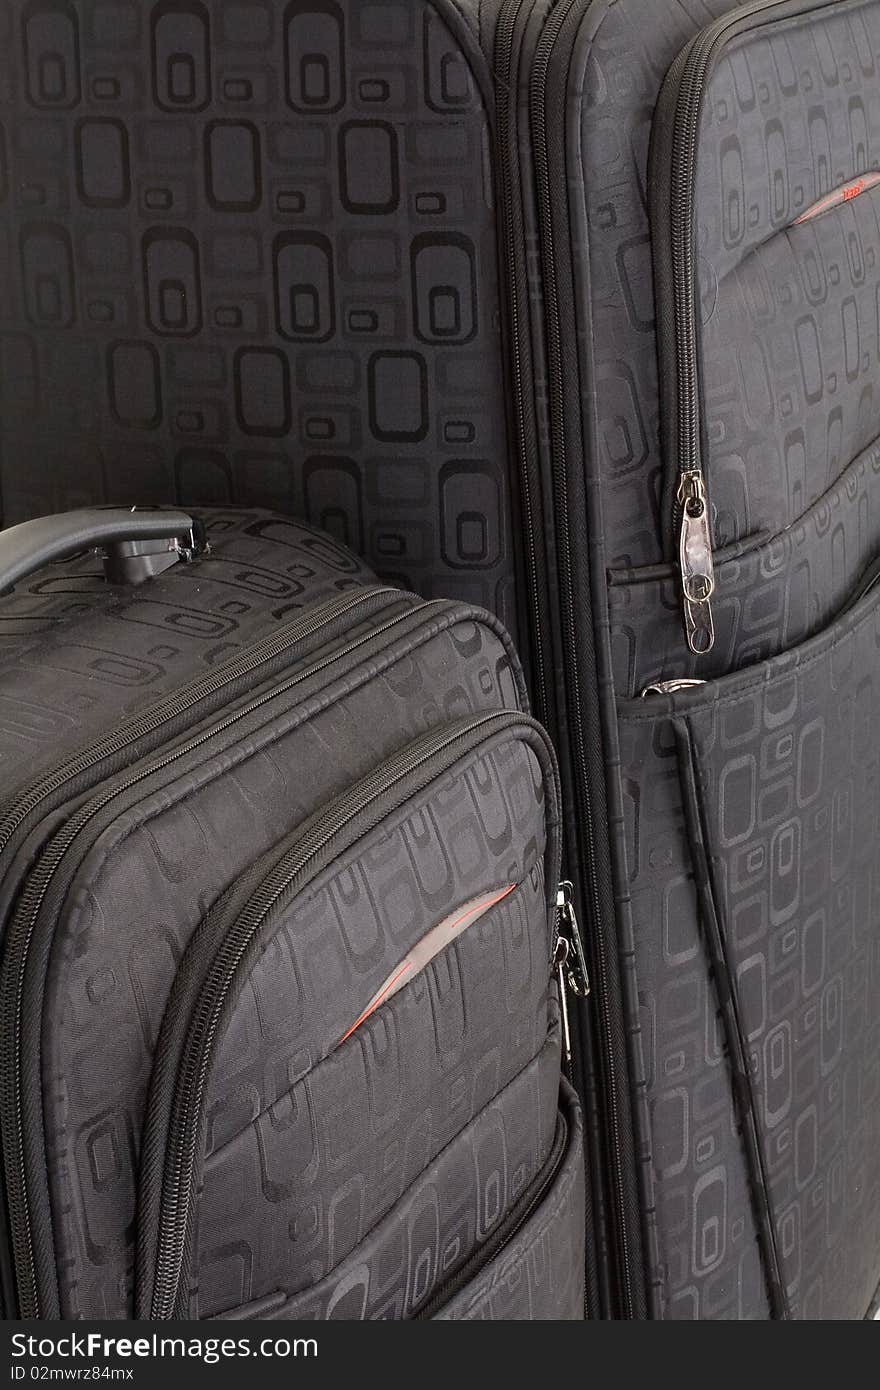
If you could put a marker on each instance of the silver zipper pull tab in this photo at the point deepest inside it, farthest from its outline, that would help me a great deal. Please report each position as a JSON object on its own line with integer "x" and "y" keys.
{"x": 560, "y": 960}
{"x": 697, "y": 563}
{"x": 677, "y": 687}
{"x": 575, "y": 965}
{"x": 569, "y": 960}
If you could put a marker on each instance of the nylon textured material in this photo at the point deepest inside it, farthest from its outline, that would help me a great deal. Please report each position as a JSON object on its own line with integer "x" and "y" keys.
{"x": 627, "y": 48}
{"x": 80, "y": 655}
{"x": 789, "y": 313}
{"x": 783, "y": 588}
{"x": 247, "y": 255}
{"x": 319, "y": 1141}
{"x": 539, "y": 1276}
{"x": 703, "y": 1254}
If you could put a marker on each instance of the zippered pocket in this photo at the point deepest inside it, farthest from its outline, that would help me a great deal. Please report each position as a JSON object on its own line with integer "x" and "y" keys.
{"x": 346, "y": 1124}
{"x": 765, "y": 264}
{"x": 754, "y": 836}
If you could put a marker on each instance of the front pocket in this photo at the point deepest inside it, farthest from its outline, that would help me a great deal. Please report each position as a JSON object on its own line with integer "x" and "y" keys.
{"x": 262, "y": 1088}
{"x": 754, "y": 835}
{"x": 767, "y": 251}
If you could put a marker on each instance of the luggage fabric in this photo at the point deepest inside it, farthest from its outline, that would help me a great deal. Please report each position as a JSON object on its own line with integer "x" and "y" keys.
{"x": 556, "y": 306}
{"x": 279, "y": 857}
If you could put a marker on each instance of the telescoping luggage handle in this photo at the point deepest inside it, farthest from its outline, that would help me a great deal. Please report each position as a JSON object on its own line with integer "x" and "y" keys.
{"x": 138, "y": 542}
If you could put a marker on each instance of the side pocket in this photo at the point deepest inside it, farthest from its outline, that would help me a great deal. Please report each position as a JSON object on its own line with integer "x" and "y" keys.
{"x": 753, "y": 833}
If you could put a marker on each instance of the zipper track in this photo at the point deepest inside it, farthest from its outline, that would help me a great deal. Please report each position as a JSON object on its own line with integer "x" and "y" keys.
{"x": 506, "y": 115}
{"x": 586, "y": 760}
{"x": 696, "y": 63}
{"x": 513, "y": 28}
{"x": 683, "y": 93}
{"x": 17, "y": 949}
{"x": 514, "y": 1222}
{"x": 289, "y": 877}
{"x": 270, "y": 649}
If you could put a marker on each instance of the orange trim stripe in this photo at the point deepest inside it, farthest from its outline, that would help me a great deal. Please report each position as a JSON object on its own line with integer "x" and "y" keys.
{"x": 377, "y": 1002}
{"x": 474, "y": 911}
{"x": 847, "y": 193}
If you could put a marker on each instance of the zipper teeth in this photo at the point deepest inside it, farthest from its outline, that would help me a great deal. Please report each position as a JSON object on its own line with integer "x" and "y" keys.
{"x": 29, "y": 801}
{"x": 192, "y": 1074}
{"x": 685, "y": 85}
{"x": 539, "y": 92}
{"x": 506, "y": 107}
{"x": 515, "y": 1221}
{"x": 684, "y": 148}
{"x": 16, "y": 959}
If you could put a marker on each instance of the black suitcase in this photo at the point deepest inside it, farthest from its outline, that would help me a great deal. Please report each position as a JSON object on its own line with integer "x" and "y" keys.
{"x": 414, "y": 272}
{"x": 279, "y": 870}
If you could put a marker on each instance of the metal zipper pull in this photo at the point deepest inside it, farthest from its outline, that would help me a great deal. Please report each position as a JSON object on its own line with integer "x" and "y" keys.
{"x": 576, "y": 973}
{"x": 569, "y": 960}
{"x": 697, "y": 564}
{"x": 560, "y": 961}
{"x": 671, "y": 687}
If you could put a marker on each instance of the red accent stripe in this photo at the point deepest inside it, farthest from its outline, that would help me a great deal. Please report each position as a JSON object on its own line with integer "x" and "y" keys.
{"x": 847, "y": 193}
{"x": 475, "y": 910}
{"x": 368, "y": 1013}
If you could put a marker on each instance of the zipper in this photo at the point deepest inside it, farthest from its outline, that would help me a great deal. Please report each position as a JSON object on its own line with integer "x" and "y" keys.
{"x": 569, "y": 962}
{"x": 869, "y": 582}
{"x": 17, "y": 950}
{"x": 514, "y": 1222}
{"x": 331, "y": 832}
{"x": 195, "y": 697}
{"x": 691, "y": 509}
{"x": 696, "y": 563}
{"x": 511, "y": 214}
{"x": 586, "y": 755}
{"x": 671, "y": 687}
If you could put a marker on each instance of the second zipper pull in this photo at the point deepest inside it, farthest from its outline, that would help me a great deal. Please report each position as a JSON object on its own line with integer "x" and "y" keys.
{"x": 569, "y": 959}
{"x": 568, "y": 930}
{"x": 697, "y": 563}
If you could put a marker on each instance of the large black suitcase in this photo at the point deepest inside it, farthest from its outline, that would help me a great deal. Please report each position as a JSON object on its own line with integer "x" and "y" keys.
{"x": 414, "y": 271}
{"x": 280, "y": 1033}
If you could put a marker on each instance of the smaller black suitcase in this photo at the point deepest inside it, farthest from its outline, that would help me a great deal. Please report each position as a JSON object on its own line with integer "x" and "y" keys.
{"x": 279, "y": 861}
